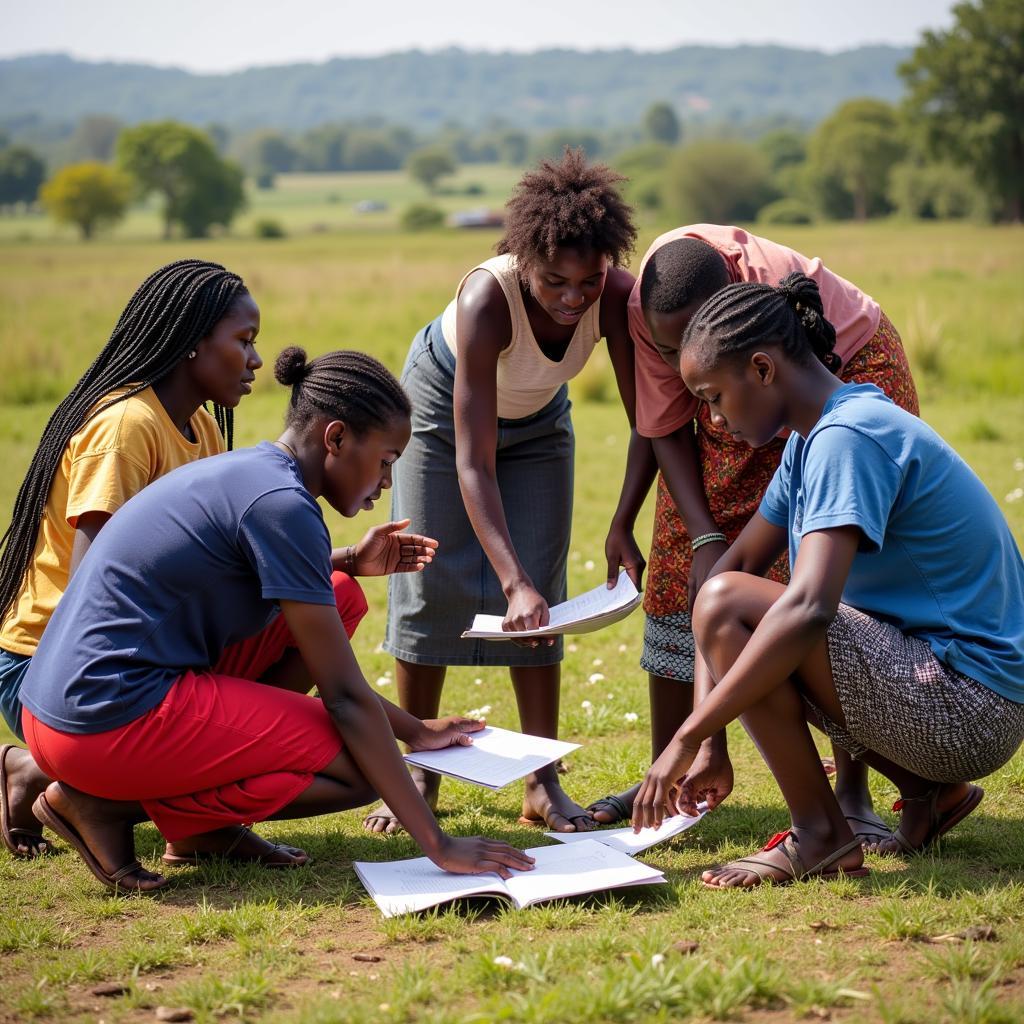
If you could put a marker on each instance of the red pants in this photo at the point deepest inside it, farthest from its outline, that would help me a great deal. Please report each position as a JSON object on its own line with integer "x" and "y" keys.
{"x": 220, "y": 749}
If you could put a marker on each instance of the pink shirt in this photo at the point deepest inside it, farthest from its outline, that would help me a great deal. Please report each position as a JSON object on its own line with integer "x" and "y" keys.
{"x": 663, "y": 403}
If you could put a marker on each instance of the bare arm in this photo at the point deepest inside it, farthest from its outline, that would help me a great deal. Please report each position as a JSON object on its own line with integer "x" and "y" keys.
{"x": 87, "y": 527}
{"x": 620, "y": 546}
{"x": 484, "y": 328}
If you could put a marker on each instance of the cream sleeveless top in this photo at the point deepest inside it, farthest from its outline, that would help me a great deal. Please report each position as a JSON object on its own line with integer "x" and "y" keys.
{"x": 527, "y": 379}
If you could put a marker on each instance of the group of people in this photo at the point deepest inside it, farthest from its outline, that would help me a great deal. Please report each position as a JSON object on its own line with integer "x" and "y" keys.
{"x": 819, "y": 556}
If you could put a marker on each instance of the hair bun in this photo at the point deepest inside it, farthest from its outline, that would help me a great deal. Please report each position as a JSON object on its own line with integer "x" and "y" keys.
{"x": 290, "y": 366}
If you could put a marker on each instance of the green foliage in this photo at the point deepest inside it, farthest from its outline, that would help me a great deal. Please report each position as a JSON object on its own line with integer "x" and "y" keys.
{"x": 21, "y": 173}
{"x": 180, "y": 163}
{"x": 785, "y": 211}
{"x": 661, "y": 124}
{"x": 88, "y": 195}
{"x": 422, "y": 217}
{"x": 718, "y": 180}
{"x": 95, "y": 138}
{"x": 644, "y": 167}
{"x": 857, "y": 147}
{"x": 371, "y": 150}
{"x": 551, "y": 145}
{"x": 783, "y": 148}
{"x": 941, "y": 191}
{"x": 269, "y": 227}
{"x": 967, "y": 94}
{"x": 266, "y": 153}
{"x": 429, "y": 165}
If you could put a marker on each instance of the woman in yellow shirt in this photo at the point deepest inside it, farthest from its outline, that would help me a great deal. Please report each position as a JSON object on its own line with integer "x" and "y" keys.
{"x": 186, "y": 338}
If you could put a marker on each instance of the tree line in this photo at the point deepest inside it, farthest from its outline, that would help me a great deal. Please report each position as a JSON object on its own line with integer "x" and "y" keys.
{"x": 954, "y": 147}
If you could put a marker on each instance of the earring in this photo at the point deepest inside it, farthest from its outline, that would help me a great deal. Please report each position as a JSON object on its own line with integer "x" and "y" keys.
{"x": 192, "y": 354}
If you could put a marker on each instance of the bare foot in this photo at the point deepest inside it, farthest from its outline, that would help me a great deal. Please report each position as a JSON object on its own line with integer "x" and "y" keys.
{"x": 381, "y": 819}
{"x": 23, "y": 782}
{"x": 101, "y": 831}
{"x": 925, "y": 817}
{"x": 605, "y": 811}
{"x": 545, "y": 802}
{"x": 787, "y": 857}
{"x": 236, "y": 843}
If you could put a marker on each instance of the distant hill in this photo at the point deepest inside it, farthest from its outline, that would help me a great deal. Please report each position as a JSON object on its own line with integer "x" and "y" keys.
{"x": 550, "y": 88}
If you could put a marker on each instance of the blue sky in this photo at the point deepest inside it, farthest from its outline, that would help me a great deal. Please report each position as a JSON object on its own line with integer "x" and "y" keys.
{"x": 224, "y": 35}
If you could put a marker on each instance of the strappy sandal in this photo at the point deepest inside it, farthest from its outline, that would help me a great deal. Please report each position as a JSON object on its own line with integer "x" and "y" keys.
{"x": 12, "y": 836}
{"x": 618, "y": 806}
{"x": 197, "y": 856}
{"x": 796, "y": 871}
{"x": 111, "y": 879}
{"x": 939, "y": 822}
{"x": 870, "y": 831}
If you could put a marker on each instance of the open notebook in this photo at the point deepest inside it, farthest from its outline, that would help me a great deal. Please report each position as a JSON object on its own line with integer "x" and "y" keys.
{"x": 495, "y": 758}
{"x": 407, "y": 886}
{"x": 583, "y": 614}
{"x": 625, "y": 840}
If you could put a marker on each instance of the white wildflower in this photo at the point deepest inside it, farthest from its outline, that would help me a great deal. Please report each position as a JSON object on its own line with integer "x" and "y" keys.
{"x": 630, "y": 716}
{"x": 383, "y": 681}
{"x": 1015, "y": 495}
{"x": 658, "y": 959}
{"x": 623, "y": 648}
{"x": 611, "y": 696}
{"x": 1018, "y": 464}
{"x": 572, "y": 648}
{"x": 588, "y": 564}
{"x": 503, "y": 961}
{"x": 594, "y": 677}
{"x": 478, "y": 682}
{"x": 485, "y": 710}
{"x": 597, "y": 662}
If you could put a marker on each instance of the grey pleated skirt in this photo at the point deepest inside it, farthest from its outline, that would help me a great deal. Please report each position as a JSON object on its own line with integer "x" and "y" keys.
{"x": 427, "y": 611}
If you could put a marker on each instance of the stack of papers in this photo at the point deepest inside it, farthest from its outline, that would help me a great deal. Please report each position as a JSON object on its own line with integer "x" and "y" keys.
{"x": 584, "y": 614}
{"x": 625, "y": 840}
{"x": 407, "y": 886}
{"x": 495, "y": 758}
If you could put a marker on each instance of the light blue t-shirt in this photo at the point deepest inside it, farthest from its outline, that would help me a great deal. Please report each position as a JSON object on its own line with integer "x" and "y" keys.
{"x": 936, "y": 559}
{"x": 194, "y": 562}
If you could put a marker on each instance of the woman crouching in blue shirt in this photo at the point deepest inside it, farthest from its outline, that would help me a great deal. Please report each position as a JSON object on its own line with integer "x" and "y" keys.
{"x": 901, "y": 633}
{"x": 129, "y": 701}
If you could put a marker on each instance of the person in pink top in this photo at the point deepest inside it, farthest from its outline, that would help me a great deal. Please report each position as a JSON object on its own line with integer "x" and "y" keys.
{"x": 710, "y": 484}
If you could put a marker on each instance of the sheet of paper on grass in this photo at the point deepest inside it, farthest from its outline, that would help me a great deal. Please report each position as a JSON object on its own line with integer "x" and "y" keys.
{"x": 407, "y": 886}
{"x": 495, "y": 758}
{"x": 585, "y": 613}
{"x": 625, "y": 840}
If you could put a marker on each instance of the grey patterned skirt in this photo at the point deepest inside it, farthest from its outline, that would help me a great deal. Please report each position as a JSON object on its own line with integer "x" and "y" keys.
{"x": 427, "y": 611}
{"x": 902, "y": 702}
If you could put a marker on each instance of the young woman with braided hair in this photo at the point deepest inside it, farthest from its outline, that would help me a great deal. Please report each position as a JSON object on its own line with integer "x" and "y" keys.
{"x": 185, "y": 338}
{"x": 489, "y": 468}
{"x": 127, "y": 698}
{"x": 708, "y": 484}
{"x": 901, "y": 631}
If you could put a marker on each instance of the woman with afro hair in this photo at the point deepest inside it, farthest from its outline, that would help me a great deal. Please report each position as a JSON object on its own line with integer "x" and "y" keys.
{"x": 489, "y": 469}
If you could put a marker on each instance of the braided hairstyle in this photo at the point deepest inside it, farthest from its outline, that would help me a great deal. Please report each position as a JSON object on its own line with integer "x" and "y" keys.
{"x": 679, "y": 272}
{"x": 349, "y": 386}
{"x": 745, "y": 316}
{"x": 171, "y": 311}
{"x": 568, "y": 203}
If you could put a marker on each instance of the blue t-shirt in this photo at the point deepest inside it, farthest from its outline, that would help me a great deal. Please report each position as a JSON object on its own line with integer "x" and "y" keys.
{"x": 936, "y": 559}
{"x": 194, "y": 562}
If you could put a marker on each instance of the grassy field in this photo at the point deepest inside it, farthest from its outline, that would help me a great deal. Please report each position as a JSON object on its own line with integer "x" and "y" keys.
{"x": 238, "y": 943}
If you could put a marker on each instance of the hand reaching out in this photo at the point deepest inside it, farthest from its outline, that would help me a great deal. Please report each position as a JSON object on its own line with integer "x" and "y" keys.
{"x": 386, "y": 549}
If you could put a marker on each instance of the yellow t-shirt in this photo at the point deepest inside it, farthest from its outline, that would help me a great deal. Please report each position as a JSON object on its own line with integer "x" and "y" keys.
{"x": 112, "y": 457}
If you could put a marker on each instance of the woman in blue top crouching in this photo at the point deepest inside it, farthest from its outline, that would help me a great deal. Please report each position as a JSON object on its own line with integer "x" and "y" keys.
{"x": 901, "y": 633}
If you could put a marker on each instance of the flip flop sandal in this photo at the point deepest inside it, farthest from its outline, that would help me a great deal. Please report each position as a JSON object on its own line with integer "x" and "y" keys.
{"x": 875, "y": 832}
{"x": 12, "y": 835}
{"x": 618, "y": 806}
{"x": 198, "y": 856}
{"x": 112, "y": 880}
{"x": 939, "y": 822}
{"x": 796, "y": 871}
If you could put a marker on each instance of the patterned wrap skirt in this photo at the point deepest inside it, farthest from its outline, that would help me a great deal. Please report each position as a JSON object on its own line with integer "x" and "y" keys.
{"x": 899, "y": 700}
{"x": 427, "y": 611}
{"x": 735, "y": 477}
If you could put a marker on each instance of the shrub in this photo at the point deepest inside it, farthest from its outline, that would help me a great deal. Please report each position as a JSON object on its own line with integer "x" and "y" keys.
{"x": 422, "y": 217}
{"x": 268, "y": 227}
{"x": 786, "y": 211}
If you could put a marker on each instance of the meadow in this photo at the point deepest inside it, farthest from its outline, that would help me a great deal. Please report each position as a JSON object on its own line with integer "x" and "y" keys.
{"x": 932, "y": 938}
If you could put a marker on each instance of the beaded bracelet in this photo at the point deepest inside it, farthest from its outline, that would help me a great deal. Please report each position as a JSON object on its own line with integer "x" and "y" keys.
{"x": 707, "y": 538}
{"x": 350, "y": 560}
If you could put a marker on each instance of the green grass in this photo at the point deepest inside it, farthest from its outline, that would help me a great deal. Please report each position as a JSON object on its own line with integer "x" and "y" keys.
{"x": 238, "y": 943}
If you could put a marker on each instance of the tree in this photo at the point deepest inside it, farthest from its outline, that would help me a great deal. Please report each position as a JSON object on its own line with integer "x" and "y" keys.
{"x": 429, "y": 165}
{"x": 369, "y": 149}
{"x": 858, "y": 145}
{"x": 199, "y": 188}
{"x": 967, "y": 94}
{"x": 719, "y": 181}
{"x": 88, "y": 195}
{"x": 661, "y": 124}
{"x": 21, "y": 173}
